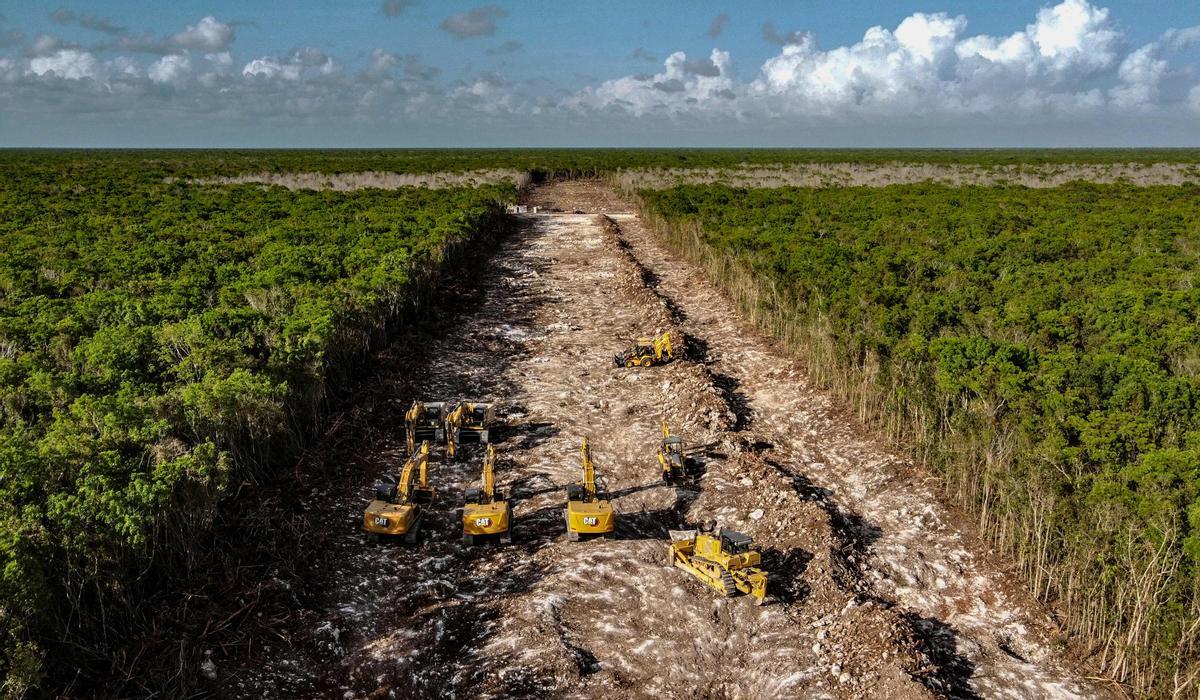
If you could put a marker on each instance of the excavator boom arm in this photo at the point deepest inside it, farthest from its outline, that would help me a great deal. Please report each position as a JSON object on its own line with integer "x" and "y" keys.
{"x": 423, "y": 458}
{"x": 404, "y": 488}
{"x": 453, "y": 421}
{"x": 589, "y": 470}
{"x": 489, "y": 474}
{"x": 662, "y": 346}
{"x": 410, "y": 424}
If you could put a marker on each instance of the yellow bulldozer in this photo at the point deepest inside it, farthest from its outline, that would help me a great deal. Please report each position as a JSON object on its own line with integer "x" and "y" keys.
{"x": 400, "y": 502}
{"x": 724, "y": 560}
{"x": 425, "y": 421}
{"x": 468, "y": 422}
{"x": 646, "y": 352}
{"x": 588, "y": 510}
{"x": 486, "y": 512}
{"x": 671, "y": 457}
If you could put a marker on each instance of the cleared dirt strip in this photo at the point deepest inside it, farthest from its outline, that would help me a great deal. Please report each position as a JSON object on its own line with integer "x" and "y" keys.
{"x": 877, "y": 590}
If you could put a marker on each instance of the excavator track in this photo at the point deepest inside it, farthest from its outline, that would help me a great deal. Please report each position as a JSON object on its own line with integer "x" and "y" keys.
{"x": 414, "y": 532}
{"x": 708, "y": 569}
{"x": 728, "y": 584}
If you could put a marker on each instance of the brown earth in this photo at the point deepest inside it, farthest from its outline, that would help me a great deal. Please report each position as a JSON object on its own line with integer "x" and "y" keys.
{"x": 878, "y": 590}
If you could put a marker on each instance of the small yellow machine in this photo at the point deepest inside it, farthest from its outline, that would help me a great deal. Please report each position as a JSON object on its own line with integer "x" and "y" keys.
{"x": 588, "y": 511}
{"x": 723, "y": 560}
{"x": 485, "y": 510}
{"x": 647, "y": 351}
{"x": 425, "y": 421}
{"x": 399, "y": 503}
{"x": 671, "y": 458}
{"x": 468, "y": 422}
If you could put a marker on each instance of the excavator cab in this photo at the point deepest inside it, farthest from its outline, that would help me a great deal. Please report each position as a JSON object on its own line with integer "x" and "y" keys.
{"x": 468, "y": 422}
{"x": 399, "y": 502}
{"x": 485, "y": 511}
{"x": 425, "y": 421}
{"x": 733, "y": 542}
{"x": 646, "y": 352}
{"x": 724, "y": 560}
{"x": 671, "y": 457}
{"x": 588, "y": 510}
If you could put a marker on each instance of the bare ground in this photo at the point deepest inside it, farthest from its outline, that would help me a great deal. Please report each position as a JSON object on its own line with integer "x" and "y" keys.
{"x": 345, "y": 182}
{"x": 848, "y": 174}
{"x": 879, "y": 590}
{"x": 898, "y": 173}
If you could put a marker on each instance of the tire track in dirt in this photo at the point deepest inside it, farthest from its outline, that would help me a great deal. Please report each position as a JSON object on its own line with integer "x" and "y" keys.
{"x": 546, "y": 616}
{"x": 983, "y": 632}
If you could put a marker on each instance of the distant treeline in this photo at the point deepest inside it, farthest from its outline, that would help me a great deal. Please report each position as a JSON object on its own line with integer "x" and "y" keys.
{"x": 160, "y": 343}
{"x": 573, "y": 162}
{"x": 1040, "y": 348}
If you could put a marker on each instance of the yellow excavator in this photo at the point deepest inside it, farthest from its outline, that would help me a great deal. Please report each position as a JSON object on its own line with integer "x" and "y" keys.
{"x": 485, "y": 510}
{"x": 671, "y": 457}
{"x": 425, "y": 421}
{"x": 399, "y": 503}
{"x": 724, "y": 560}
{"x": 588, "y": 509}
{"x": 646, "y": 352}
{"x": 468, "y": 422}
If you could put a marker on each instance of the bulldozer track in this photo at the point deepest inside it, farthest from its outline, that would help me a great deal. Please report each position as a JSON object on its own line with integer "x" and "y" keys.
{"x": 537, "y": 329}
{"x": 728, "y": 584}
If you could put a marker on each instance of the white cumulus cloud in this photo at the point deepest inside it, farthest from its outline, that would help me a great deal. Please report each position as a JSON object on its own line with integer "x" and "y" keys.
{"x": 1068, "y": 76}
{"x": 269, "y": 67}
{"x": 928, "y": 64}
{"x": 382, "y": 63}
{"x": 303, "y": 62}
{"x": 682, "y": 85}
{"x": 173, "y": 68}
{"x": 1179, "y": 39}
{"x": 209, "y": 34}
{"x": 70, "y": 64}
{"x": 1074, "y": 35}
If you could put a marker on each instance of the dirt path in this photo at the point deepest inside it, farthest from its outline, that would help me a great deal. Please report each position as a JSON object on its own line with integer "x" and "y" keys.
{"x": 875, "y": 595}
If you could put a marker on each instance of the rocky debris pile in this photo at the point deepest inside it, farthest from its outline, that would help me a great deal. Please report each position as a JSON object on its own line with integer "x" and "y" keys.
{"x": 639, "y": 284}
{"x": 859, "y": 640}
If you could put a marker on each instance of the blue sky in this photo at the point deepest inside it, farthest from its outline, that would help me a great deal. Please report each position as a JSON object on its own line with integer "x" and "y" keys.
{"x": 403, "y": 73}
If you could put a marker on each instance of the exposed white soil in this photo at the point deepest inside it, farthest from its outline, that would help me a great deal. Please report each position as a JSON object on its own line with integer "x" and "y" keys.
{"x": 898, "y": 173}
{"x": 877, "y": 590}
{"x": 344, "y": 182}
